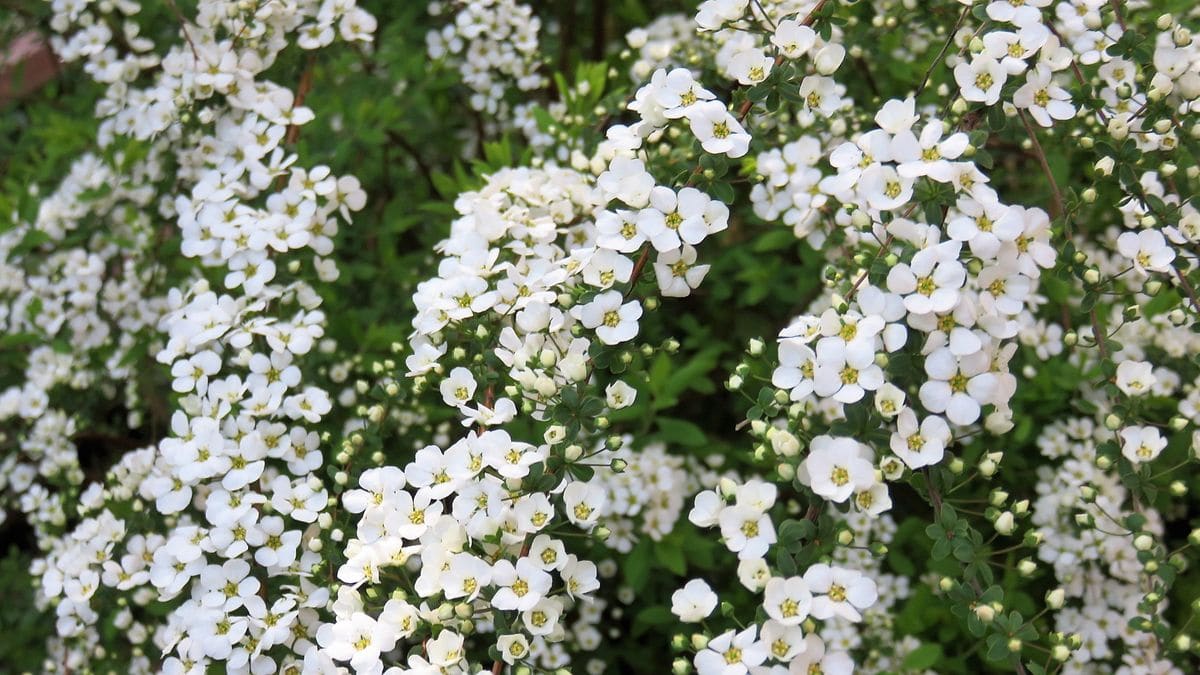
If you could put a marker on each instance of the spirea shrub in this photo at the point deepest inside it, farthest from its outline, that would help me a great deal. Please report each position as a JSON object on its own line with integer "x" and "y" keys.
{"x": 781, "y": 337}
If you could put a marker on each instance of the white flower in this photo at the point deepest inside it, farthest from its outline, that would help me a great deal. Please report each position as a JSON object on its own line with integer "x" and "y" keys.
{"x": 513, "y": 647}
{"x": 931, "y": 282}
{"x": 712, "y": 14}
{"x": 717, "y": 130}
{"x": 1136, "y": 378}
{"x": 884, "y": 188}
{"x": 820, "y": 94}
{"x": 785, "y": 642}
{"x": 677, "y": 272}
{"x": 1044, "y": 100}
{"x": 793, "y": 39}
{"x": 750, "y": 66}
{"x": 619, "y": 395}
{"x": 694, "y": 602}
{"x": 919, "y": 444}
{"x": 838, "y": 591}
{"x": 746, "y": 531}
{"x": 958, "y": 385}
{"x": 673, "y": 217}
{"x": 1141, "y": 444}
{"x": 787, "y": 601}
{"x": 731, "y": 654}
{"x": 1148, "y": 250}
{"x": 626, "y": 179}
{"x": 520, "y": 586}
{"x": 1016, "y": 12}
{"x": 584, "y": 502}
{"x": 613, "y": 321}
{"x": 845, "y": 370}
{"x": 193, "y": 373}
{"x": 797, "y": 367}
{"x": 459, "y": 387}
{"x": 815, "y": 659}
{"x": 889, "y": 400}
{"x": 980, "y": 79}
{"x": 835, "y": 468}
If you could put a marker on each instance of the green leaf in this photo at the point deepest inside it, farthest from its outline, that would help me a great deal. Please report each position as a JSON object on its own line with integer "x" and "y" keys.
{"x": 637, "y": 565}
{"x": 680, "y": 431}
{"x": 922, "y": 657}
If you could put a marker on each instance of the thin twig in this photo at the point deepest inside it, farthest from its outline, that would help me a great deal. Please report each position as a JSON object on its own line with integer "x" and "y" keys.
{"x": 1059, "y": 208}
{"x": 933, "y": 64}
{"x": 1187, "y": 289}
{"x": 183, "y": 27}
{"x": 1116, "y": 7}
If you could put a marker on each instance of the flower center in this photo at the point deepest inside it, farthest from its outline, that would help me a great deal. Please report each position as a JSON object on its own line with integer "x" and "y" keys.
{"x": 839, "y": 476}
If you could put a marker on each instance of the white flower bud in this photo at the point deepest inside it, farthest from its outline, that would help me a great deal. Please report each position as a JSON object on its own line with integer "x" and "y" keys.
{"x": 829, "y": 58}
{"x": 1005, "y": 524}
{"x": 1056, "y": 598}
{"x": 985, "y": 613}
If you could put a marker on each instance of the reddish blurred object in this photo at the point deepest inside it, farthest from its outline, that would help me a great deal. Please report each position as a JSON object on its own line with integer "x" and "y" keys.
{"x": 25, "y": 65}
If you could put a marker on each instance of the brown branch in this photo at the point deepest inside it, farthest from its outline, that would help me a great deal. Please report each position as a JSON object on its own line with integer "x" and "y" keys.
{"x": 637, "y": 269}
{"x": 1187, "y": 288}
{"x": 302, "y": 90}
{"x": 1056, "y": 194}
{"x": 183, "y": 27}
{"x": 1116, "y": 8}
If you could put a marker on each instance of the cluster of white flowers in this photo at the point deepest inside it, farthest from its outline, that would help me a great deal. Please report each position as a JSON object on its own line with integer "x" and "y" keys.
{"x": 494, "y": 46}
{"x": 85, "y": 299}
{"x": 236, "y": 478}
{"x": 222, "y": 545}
{"x": 530, "y": 270}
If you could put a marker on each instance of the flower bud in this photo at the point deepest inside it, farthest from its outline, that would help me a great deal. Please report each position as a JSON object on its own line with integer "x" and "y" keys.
{"x": 1143, "y": 542}
{"x": 987, "y": 468}
{"x": 829, "y": 58}
{"x": 1026, "y": 567}
{"x": 786, "y": 471}
{"x": 1089, "y": 195}
{"x": 1005, "y": 524}
{"x": 1056, "y": 598}
{"x": 1105, "y": 165}
{"x": 699, "y": 641}
{"x": 985, "y": 613}
{"x": 1060, "y": 652}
